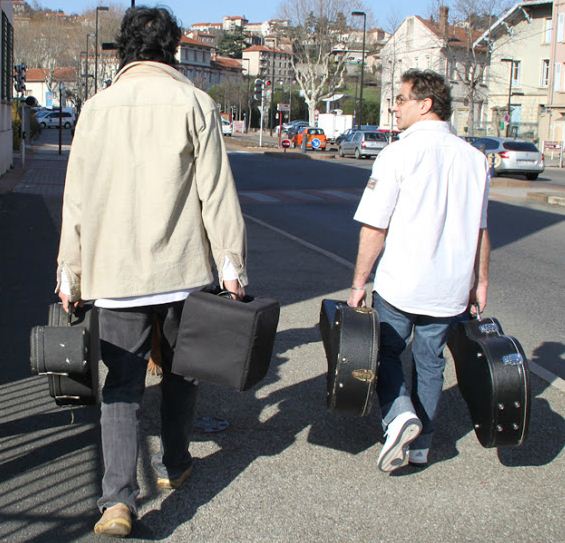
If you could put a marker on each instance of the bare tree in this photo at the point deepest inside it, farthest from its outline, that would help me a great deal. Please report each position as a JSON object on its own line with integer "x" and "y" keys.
{"x": 317, "y": 29}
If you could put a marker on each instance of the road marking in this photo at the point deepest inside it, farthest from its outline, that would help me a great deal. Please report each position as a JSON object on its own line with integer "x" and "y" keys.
{"x": 261, "y": 197}
{"x": 344, "y": 195}
{"x": 543, "y": 373}
{"x": 300, "y": 195}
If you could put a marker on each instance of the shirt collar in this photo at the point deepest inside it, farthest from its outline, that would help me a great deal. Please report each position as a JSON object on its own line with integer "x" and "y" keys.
{"x": 438, "y": 126}
{"x": 149, "y": 66}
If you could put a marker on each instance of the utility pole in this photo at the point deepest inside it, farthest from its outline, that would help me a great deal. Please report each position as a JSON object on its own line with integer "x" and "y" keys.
{"x": 271, "y": 108}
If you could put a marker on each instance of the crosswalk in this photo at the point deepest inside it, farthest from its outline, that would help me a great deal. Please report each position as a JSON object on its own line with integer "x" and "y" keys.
{"x": 40, "y": 186}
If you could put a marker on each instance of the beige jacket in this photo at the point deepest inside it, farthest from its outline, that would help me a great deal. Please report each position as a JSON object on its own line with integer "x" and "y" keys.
{"x": 149, "y": 194}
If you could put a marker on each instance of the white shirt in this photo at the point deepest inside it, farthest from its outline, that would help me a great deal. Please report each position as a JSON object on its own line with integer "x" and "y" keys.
{"x": 430, "y": 189}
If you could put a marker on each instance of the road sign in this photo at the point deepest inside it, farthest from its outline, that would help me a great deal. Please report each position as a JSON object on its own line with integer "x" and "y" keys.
{"x": 283, "y": 107}
{"x": 315, "y": 143}
{"x": 285, "y": 144}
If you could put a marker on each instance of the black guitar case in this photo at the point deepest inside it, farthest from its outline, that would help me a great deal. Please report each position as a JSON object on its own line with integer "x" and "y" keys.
{"x": 67, "y": 351}
{"x": 492, "y": 371}
{"x": 351, "y": 341}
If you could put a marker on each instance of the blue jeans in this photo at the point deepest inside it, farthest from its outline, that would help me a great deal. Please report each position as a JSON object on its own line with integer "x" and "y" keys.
{"x": 428, "y": 342}
{"x": 125, "y": 341}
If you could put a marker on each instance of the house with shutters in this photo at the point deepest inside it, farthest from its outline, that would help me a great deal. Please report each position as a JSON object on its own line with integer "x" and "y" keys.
{"x": 524, "y": 77}
{"x": 447, "y": 49}
{"x": 552, "y": 78}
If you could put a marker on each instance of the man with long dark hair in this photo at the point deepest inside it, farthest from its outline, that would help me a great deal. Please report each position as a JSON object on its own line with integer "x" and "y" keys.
{"x": 149, "y": 198}
{"x": 424, "y": 213}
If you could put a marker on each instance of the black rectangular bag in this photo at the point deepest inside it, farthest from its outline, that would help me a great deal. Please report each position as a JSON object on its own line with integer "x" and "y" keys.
{"x": 351, "y": 341}
{"x": 226, "y": 342}
{"x": 493, "y": 376}
{"x": 67, "y": 351}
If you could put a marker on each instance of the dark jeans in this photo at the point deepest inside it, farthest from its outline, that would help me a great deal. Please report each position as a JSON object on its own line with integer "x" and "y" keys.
{"x": 125, "y": 338}
{"x": 428, "y": 343}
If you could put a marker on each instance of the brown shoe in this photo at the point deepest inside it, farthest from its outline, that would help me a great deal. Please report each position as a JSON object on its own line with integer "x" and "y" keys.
{"x": 169, "y": 484}
{"x": 115, "y": 521}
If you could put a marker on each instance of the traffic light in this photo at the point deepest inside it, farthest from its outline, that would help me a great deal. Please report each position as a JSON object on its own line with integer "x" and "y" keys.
{"x": 20, "y": 77}
{"x": 258, "y": 89}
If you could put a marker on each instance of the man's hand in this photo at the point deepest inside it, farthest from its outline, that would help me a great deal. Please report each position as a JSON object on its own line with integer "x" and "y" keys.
{"x": 357, "y": 297}
{"x": 65, "y": 301}
{"x": 233, "y": 286}
{"x": 478, "y": 296}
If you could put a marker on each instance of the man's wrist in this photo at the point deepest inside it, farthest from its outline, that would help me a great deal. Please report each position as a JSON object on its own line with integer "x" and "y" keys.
{"x": 353, "y": 287}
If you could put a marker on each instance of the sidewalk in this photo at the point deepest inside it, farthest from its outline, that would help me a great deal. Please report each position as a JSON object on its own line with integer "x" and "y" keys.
{"x": 286, "y": 470}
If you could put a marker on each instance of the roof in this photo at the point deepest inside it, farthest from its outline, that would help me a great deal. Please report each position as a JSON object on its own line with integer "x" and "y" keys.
{"x": 59, "y": 74}
{"x": 456, "y": 36}
{"x": 517, "y": 8}
{"x": 234, "y": 18}
{"x": 219, "y": 25}
{"x": 190, "y": 41}
{"x": 227, "y": 62}
{"x": 264, "y": 49}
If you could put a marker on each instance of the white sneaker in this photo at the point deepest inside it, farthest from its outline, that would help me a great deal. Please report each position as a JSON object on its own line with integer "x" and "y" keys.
{"x": 404, "y": 429}
{"x": 418, "y": 457}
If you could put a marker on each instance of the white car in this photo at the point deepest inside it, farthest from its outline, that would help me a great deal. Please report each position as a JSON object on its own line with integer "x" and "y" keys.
{"x": 226, "y": 128}
{"x": 51, "y": 119}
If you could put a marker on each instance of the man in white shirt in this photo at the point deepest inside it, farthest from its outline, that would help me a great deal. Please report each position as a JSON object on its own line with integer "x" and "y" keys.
{"x": 423, "y": 214}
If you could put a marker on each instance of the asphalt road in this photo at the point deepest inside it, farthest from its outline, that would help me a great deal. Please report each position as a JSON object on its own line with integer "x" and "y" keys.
{"x": 315, "y": 200}
{"x": 286, "y": 470}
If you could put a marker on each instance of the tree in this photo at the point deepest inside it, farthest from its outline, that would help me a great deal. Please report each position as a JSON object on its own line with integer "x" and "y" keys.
{"x": 318, "y": 30}
{"x": 474, "y": 16}
{"x": 232, "y": 44}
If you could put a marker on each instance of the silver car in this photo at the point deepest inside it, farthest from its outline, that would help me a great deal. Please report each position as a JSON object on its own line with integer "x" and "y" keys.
{"x": 363, "y": 143}
{"x": 512, "y": 156}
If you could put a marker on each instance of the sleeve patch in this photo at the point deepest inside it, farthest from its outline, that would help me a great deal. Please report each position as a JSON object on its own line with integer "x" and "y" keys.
{"x": 371, "y": 184}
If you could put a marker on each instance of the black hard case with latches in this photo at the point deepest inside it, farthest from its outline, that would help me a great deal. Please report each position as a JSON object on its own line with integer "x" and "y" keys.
{"x": 351, "y": 341}
{"x": 67, "y": 351}
{"x": 493, "y": 376}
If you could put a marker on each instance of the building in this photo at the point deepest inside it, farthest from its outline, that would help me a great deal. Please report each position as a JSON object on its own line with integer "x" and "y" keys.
{"x": 447, "y": 49}
{"x": 7, "y": 87}
{"x": 520, "y": 45}
{"x": 199, "y": 62}
{"x": 552, "y": 77}
{"x": 43, "y": 84}
{"x": 268, "y": 63}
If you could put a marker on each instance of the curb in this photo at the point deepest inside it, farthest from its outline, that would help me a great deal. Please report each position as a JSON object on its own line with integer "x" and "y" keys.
{"x": 554, "y": 199}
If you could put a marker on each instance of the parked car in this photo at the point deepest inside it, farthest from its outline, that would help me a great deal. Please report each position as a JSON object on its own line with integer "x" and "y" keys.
{"x": 363, "y": 144}
{"x": 344, "y": 136}
{"x": 51, "y": 119}
{"x": 295, "y": 127}
{"x": 512, "y": 156}
{"x": 226, "y": 127}
{"x": 311, "y": 138}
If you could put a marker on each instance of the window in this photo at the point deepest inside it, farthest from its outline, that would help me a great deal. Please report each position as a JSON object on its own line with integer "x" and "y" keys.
{"x": 557, "y": 77}
{"x": 516, "y": 70}
{"x": 7, "y": 59}
{"x": 561, "y": 27}
{"x": 544, "y": 80}
{"x": 547, "y": 31}
{"x": 520, "y": 146}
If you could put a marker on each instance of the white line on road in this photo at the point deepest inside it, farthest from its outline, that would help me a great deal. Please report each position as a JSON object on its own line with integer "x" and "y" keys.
{"x": 540, "y": 371}
{"x": 260, "y": 197}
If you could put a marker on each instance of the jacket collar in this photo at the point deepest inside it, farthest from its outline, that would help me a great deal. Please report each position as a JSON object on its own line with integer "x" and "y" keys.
{"x": 148, "y": 67}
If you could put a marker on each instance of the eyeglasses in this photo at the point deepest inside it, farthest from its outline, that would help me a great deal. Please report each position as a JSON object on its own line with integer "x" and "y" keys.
{"x": 401, "y": 100}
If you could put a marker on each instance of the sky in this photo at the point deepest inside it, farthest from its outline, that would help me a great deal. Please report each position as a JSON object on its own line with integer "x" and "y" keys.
{"x": 195, "y": 11}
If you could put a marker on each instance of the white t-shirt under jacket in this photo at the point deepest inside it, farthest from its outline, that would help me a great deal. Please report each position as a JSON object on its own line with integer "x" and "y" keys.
{"x": 430, "y": 190}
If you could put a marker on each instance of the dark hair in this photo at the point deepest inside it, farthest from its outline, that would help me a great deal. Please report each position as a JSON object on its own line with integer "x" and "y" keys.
{"x": 148, "y": 34}
{"x": 430, "y": 84}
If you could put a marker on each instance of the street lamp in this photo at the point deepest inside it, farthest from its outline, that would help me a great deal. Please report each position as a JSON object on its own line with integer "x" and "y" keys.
{"x": 86, "y": 76}
{"x": 98, "y": 8}
{"x": 364, "y": 15}
{"x": 511, "y": 62}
